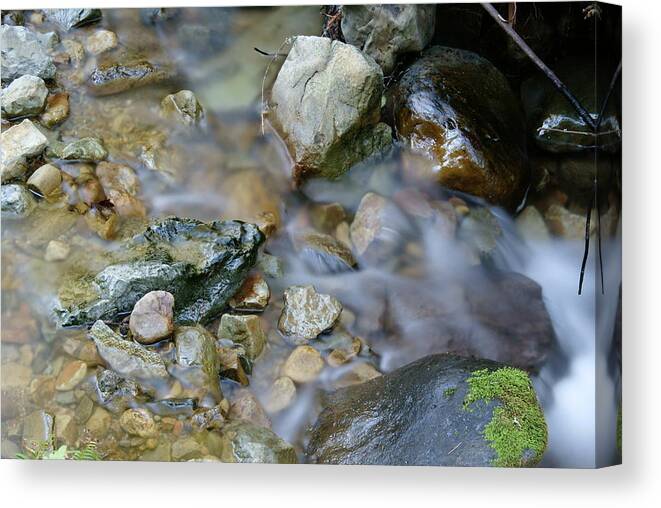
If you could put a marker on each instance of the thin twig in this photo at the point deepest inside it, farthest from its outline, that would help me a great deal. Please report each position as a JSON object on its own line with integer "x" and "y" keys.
{"x": 582, "y": 112}
{"x": 614, "y": 79}
{"x": 587, "y": 245}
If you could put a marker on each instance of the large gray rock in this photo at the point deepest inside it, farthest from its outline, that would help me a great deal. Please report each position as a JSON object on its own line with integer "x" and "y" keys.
{"x": 127, "y": 358}
{"x": 458, "y": 110}
{"x": 25, "y": 52}
{"x": 441, "y": 410}
{"x": 245, "y": 442}
{"x": 17, "y": 201}
{"x": 201, "y": 264}
{"x": 386, "y": 31}
{"x": 327, "y": 100}
{"x": 19, "y": 143}
{"x": 25, "y": 96}
{"x": 72, "y": 18}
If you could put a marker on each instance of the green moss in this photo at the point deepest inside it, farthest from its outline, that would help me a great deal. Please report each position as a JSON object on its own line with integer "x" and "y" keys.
{"x": 449, "y": 392}
{"x": 517, "y": 428}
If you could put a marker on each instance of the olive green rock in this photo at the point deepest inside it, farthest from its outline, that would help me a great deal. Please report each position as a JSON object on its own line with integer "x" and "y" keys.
{"x": 440, "y": 410}
{"x": 201, "y": 264}
{"x": 245, "y": 442}
{"x": 456, "y": 108}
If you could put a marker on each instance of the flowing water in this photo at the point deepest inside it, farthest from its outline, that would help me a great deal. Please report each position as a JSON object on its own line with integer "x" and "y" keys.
{"x": 228, "y": 168}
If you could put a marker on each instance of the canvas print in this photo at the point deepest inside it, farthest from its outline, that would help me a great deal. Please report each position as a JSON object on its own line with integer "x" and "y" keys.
{"x": 384, "y": 234}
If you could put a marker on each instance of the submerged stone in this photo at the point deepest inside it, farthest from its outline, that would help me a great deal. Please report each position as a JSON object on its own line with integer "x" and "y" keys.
{"x": 441, "y": 410}
{"x": 201, "y": 264}
{"x": 183, "y": 106}
{"x": 17, "y": 201}
{"x": 85, "y": 149}
{"x": 245, "y": 442}
{"x": 323, "y": 253}
{"x": 456, "y": 108}
{"x": 112, "y": 78}
{"x": 126, "y": 358}
{"x": 307, "y": 313}
{"x": 197, "y": 357}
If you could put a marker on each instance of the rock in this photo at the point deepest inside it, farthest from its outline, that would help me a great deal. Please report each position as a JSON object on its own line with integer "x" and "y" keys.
{"x": 173, "y": 407}
{"x": 246, "y": 407}
{"x": 252, "y": 296}
{"x": 66, "y": 429}
{"x": 13, "y": 18}
{"x": 46, "y": 180}
{"x": 307, "y": 313}
{"x": 441, "y": 410}
{"x": 233, "y": 362}
{"x": 270, "y": 265}
{"x": 245, "y": 442}
{"x": 358, "y": 373}
{"x": 480, "y": 230}
{"x": 565, "y": 223}
{"x": 71, "y": 375}
{"x": 554, "y": 123}
{"x": 116, "y": 77}
{"x": 121, "y": 186}
{"x": 303, "y": 365}
{"x": 206, "y": 419}
{"x": 24, "y": 96}
{"x": 101, "y": 41}
{"x": 324, "y": 254}
{"x": 327, "y": 99}
{"x": 138, "y": 422}
{"x": 531, "y": 226}
{"x": 196, "y": 352}
{"x": 456, "y": 108}
{"x": 75, "y": 50}
{"x": 115, "y": 392}
{"x": 377, "y": 228}
{"x": 126, "y": 358}
{"x": 201, "y": 264}
{"x": 162, "y": 453}
{"x": 326, "y": 217}
{"x": 186, "y": 448}
{"x": 56, "y": 251}
{"x": 25, "y": 52}
{"x": 183, "y": 107}
{"x": 15, "y": 381}
{"x": 38, "y": 432}
{"x": 500, "y": 317}
{"x": 151, "y": 318}
{"x": 281, "y": 395}
{"x": 57, "y": 110}
{"x": 85, "y": 149}
{"x": 246, "y": 330}
{"x": 68, "y": 19}
{"x": 98, "y": 424}
{"x": 386, "y": 31}
{"x": 17, "y": 201}
{"x": 20, "y": 143}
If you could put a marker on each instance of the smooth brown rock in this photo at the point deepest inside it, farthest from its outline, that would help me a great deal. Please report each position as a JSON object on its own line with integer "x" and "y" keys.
{"x": 303, "y": 365}
{"x": 71, "y": 375}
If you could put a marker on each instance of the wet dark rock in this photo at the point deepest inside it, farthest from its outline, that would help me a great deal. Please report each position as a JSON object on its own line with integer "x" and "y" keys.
{"x": 456, "y": 108}
{"x": 427, "y": 413}
{"x": 500, "y": 316}
{"x": 327, "y": 100}
{"x": 116, "y": 77}
{"x": 386, "y": 31}
{"x": 127, "y": 358}
{"x": 72, "y": 18}
{"x": 201, "y": 264}
{"x": 25, "y": 52}
{"x": 323, "y": 253}
{"x": 553, "y": 121}
{"x": 245, "y": 442}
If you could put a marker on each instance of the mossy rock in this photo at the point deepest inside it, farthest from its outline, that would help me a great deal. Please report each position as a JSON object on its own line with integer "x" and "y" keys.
{"x": 201, "y": 264}
{"x": 441, "y": 410}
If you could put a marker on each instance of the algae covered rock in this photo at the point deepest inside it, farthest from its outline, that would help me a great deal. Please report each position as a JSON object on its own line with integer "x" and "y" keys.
{"x": 388, "y": 30}
{"x": 440, "y": 410}
{"x": 201, "y": 264}
{"x": 327, "y": 100}
{"x": 456, "y": 108}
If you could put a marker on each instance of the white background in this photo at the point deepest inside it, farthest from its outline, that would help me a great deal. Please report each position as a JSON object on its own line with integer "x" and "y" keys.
{"x": 636, "y": 483}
